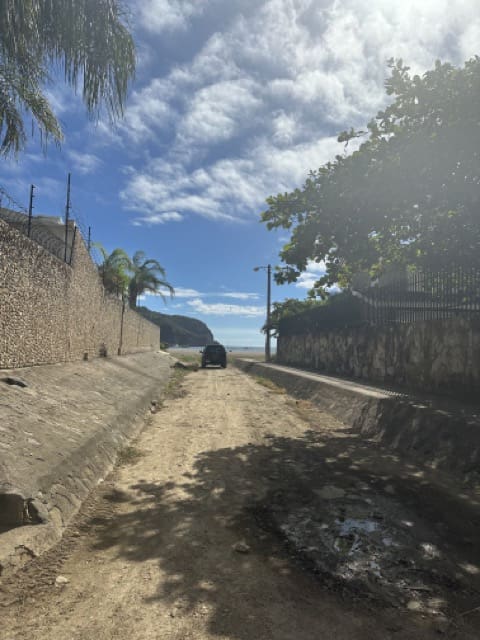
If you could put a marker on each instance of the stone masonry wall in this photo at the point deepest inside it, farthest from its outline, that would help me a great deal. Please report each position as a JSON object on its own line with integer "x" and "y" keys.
{"x": 53, "y": 312}
{"x": 441, "y": 356}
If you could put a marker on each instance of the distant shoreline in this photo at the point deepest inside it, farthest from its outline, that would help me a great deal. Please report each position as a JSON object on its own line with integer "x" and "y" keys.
{"x": 228, "y": 347}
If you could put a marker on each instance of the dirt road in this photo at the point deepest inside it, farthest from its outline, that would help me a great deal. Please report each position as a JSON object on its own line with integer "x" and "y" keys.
{"x": 214, "y": 524}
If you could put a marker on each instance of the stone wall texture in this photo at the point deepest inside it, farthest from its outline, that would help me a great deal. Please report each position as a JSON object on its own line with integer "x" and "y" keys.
{"x": 441, "y": 356}
{"x": 54, "y": 312}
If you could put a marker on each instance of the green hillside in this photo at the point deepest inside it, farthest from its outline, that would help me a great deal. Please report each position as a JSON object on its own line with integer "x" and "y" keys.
{"x": 181, "y": 330}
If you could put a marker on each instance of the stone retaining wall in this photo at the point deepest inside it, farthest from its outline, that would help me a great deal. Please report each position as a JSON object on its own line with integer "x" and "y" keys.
{"x": 441, "y": 356}
{"x": 53, "y": 312}
{"x": 432, "y": 432}
{"x": 60, "y": 435}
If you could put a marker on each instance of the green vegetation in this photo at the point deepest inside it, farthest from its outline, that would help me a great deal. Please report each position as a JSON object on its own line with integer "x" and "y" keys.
{"x": 114, "y": 270}
{"x": 341, "y": 310}
{"x": 407, "y": 196}
{"x": 87, "y": 39}
{"x": 175, "y": 329}
{"x": 129, "y": 455}
{"x": 147, "y": 275}
{"x": 288, "y": 308}
{"x": 127, "y": 277}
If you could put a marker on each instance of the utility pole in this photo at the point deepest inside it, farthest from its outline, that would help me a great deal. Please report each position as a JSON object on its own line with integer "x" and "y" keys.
{"x": 268, "y": 269}
{"x": 30, "y": 210}
{"x": 67, "y": 215}
{"x": 269, "y": 295}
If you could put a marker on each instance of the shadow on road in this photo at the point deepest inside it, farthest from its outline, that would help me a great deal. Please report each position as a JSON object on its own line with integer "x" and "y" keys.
{"x": 370, "y": 526}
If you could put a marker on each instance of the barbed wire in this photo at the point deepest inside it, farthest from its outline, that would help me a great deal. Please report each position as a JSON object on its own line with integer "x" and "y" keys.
{"x": 11, "y": 200}
{"x": 41, "y": 234}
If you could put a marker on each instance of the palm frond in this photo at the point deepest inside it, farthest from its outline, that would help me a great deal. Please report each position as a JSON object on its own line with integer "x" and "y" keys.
{"x": 86, "y": 38}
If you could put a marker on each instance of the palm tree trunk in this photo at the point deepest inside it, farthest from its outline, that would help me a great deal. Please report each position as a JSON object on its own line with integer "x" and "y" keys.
{"x": 132, "y": 298}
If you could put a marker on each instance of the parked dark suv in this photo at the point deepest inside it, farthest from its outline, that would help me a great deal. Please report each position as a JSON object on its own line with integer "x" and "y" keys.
{"x": 214, "y": 354}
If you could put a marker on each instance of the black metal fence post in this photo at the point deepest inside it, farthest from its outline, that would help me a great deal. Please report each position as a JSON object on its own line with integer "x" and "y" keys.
{"x": 30, "y": 211}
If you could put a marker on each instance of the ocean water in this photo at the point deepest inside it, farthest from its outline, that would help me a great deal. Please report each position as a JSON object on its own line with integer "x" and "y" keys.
{"x": 229, "y": 348}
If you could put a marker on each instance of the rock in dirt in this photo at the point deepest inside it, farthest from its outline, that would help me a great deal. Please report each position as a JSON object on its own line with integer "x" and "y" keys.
{"x": 61, "y": 580}
{"x": 241, "y": 547}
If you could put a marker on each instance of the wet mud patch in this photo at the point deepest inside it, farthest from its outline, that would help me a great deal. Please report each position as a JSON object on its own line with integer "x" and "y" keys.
{"x": 368, "y": 545}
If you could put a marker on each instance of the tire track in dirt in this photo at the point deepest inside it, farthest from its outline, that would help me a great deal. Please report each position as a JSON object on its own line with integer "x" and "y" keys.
{"x": 169, "y": 547}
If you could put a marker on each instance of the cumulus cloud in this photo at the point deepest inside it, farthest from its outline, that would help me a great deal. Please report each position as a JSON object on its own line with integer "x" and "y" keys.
{"x": 165, "y": 15}
{"x": 262, "y": 97}
{"x": 314, "y": 271}
{"x": 157, "y": 218}
{"x": 231, "y": 189}
{"x": 218, "y": 111}
{"x": 84, "y": 163}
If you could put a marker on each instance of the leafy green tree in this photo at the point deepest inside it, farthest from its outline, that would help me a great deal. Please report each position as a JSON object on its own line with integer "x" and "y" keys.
{"x": 87, "y": 39}
{"x": 410, "y": 193}
{"x": 147, "y": 275}
{"x": 289, "y": 307}
{"x": 114, "y": 270}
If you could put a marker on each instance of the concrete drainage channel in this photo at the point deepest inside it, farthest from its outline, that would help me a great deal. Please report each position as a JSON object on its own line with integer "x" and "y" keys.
{"x": 444, "y": 436}
{"x": 61, "y": 429}
{"x": 370, "y": 508}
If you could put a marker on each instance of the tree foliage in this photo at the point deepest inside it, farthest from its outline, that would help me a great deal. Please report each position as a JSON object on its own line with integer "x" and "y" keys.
{"x": 289, "y": 307}
{"x": 87, "y": 39}
{"x": 147, "y": 275}
{"x": 130, "y": 277}
{"x": 114, "y": 270}
{"x": 408, "y": 195}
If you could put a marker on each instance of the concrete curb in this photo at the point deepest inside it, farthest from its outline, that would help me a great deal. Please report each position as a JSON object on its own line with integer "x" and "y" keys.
{"x": 60, "y": 436}
{"x": 441, "y": 436}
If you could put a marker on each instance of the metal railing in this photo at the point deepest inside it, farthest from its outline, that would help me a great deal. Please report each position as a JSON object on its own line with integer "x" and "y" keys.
{"x": 398, "y": 297}
{"x": 422, "y": 294}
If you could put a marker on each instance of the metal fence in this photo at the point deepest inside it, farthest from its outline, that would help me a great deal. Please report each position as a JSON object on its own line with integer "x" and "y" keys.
{"x": 49, "y": 232}
{"x": 398, "y": 297}
{"x": 423, "y": 294}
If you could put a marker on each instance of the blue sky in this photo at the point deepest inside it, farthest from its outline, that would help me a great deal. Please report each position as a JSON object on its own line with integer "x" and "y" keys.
{"x": 232, "y": 102}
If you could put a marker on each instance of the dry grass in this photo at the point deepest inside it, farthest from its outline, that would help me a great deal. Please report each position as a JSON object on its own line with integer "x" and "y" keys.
{"x": 129, "y": 455}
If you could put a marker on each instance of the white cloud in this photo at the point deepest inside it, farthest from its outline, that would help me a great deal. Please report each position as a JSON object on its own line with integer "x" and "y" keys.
{"x": 228, "y": 189}
{"x": 165, "y": 15}
{"x": 218, "y": 111}
{"x": 260, "y": 102}
{"x": 84, "y": 163}
{"x": 221, "y": 309}
{"x": 157, "y": 218}
{"x": 149, "y": 112}
{"x": 240, "y": 296}
{"x": 185, "y": 292}
{"x": 182, "y": 292}
{"x": 314, "y": 271}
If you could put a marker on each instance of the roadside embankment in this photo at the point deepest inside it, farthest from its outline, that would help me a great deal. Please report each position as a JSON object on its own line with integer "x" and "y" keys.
{"x": 439, "y": 433}
{"x": 61, "y": 429}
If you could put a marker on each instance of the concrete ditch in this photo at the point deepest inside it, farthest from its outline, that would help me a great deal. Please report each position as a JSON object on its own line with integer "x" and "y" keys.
{"x": 443, "y": 435}
{"x": 61, "y": 429}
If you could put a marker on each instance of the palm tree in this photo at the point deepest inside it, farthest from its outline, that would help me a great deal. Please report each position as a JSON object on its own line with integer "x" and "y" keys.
{"x": 148, "y": 275}
{"x": 86, "y": 38}
{"x": 114, "y": 270}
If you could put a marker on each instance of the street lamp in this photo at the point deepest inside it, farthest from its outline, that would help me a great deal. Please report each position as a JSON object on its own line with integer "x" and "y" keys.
{"x": 268, "y": 269}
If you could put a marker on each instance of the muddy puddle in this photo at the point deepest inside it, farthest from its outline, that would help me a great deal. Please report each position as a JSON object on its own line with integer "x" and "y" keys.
{"x": 372, "y": 544}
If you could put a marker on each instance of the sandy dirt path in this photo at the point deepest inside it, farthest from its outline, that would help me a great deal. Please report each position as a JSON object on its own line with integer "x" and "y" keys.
{"x": 171, "y": 547}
